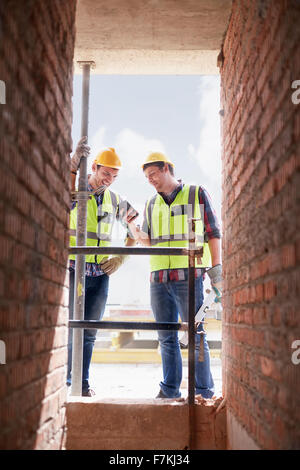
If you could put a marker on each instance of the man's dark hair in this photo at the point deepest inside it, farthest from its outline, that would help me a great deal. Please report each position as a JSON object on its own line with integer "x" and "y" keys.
{"x": 159, "y": 165}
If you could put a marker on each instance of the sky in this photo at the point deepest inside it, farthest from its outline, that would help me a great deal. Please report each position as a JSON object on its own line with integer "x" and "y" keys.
{"x": 138, "y": 114}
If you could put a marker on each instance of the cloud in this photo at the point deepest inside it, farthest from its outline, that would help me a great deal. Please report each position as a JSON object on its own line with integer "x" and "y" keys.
{"x": 133, "y": 149}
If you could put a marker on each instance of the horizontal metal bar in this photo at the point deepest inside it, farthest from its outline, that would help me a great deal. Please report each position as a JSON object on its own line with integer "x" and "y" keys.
{"x": 120, "y": 250}
{"x": 127, "y": 325}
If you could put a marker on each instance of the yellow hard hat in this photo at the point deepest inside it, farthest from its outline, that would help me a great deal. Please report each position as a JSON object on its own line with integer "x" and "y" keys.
{"x": 157, "y": 157}
{"x": 108, "y": 158}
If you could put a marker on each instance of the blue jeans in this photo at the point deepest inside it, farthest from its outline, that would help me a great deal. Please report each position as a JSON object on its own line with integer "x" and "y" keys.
{"x": 96, "y": 291}
{"x": 168, "y": 299}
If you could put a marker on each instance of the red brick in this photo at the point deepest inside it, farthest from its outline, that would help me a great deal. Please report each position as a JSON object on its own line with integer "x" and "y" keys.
{"x": 266, "y": 439}
{"x": 260, "y": 316}
{"x": 288, "y": 256}
{"x": 270, "y": 368}
{"x": 269, "y": 290}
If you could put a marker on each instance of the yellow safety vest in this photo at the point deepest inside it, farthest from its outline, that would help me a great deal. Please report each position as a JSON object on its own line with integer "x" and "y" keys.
{"x": 169, "y": 228}
{"x": 99, "y": 225}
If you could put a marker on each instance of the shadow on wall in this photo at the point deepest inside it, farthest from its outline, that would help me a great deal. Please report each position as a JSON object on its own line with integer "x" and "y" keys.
{"x": 34, "y": 211}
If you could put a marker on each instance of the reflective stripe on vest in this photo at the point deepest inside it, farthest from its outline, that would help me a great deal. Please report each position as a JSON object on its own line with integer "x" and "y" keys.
{"x": 169, "y": 227}
{"x": 100, "y": 219}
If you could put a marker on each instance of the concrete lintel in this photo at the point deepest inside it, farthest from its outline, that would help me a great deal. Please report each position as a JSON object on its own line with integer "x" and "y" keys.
{"x": 149, "y": 62}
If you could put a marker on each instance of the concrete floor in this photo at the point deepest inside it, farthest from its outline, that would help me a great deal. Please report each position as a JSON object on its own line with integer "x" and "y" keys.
{"x": 139, "y": 380}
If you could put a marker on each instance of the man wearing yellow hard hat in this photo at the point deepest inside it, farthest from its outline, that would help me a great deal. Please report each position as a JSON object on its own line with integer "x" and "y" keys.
{"x": 103, "y": 208}
{"x": 166, "y": 225}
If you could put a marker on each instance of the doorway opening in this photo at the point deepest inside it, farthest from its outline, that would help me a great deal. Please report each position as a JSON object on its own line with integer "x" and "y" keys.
{"x": 136, "y": 114}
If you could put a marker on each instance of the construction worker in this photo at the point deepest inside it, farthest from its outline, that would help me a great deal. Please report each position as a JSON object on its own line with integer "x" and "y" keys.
{"x": 166, "y": 225}
{"x": 103, "y": 207}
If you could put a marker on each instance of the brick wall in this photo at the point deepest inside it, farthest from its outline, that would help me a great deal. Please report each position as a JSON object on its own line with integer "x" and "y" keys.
{"x": 36, "y": 52}
{"x": 261, "y": 244}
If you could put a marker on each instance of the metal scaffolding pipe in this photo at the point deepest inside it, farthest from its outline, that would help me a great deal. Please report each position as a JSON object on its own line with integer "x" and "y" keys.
{"x": 191, "y": 320}
{"x": 79, "y": 290}
{"x": 127, "y": 325}
{"x": 118, "y": 250}
{"x": 191, "y": 329}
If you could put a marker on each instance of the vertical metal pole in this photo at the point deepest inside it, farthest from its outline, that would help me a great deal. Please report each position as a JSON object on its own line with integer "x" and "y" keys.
{"x": 191, "y": 277}
{"x": 191, "y": 326}
{"x": 79, "y": 289}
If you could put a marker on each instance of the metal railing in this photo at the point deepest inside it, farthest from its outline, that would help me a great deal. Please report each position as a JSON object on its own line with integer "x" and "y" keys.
{"x": 80, "y": 323}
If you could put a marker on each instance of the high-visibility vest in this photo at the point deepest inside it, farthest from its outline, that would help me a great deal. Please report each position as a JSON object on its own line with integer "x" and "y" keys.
{"x": 169, "y": 228}
{"x": 99, "y": 225}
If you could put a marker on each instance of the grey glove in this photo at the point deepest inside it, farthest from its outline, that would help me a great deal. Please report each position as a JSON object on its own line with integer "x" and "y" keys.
{"x": 216, "y": 279}
{"x": 82, "y": 150}
{"x": 215, "y": 274}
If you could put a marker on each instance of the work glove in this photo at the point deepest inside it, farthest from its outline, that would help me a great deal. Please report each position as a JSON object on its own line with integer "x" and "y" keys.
{"x": 113, "y": 264}
{"x": 82, "y": 150}
{"x": 216, "y": 280}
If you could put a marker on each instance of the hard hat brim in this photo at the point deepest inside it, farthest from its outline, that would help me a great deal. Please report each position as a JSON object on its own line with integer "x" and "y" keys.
{"x": 158, "y": 161}
{"x": 115, "y": 167}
